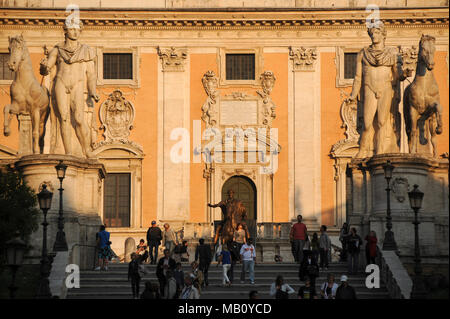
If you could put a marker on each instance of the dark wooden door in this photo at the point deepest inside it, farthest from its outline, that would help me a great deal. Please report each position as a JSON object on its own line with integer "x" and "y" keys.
{"x": 244, "y": 190}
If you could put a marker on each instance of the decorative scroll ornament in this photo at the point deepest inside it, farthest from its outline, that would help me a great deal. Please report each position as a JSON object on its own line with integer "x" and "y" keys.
{"x": 303, "y": 58}
{"x": 400, "y": 188}
{"x": 209, "y": 108}
{"x": 116, "y": 116}
{"x": 250, "y": 173}
{"x": 267, "y": 79}
{"x": 172, "y": 59}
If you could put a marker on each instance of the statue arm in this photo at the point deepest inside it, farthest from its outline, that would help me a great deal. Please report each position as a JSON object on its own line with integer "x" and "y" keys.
{"x": 92, "y": 80}
{"x": 48, "y": 62}
{"x": 216, "y": 205}
{"x": 358, "y": 77}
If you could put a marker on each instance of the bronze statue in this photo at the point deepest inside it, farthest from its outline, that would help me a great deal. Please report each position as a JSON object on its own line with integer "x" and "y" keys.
{"x": 421, "y": 107}
{"x": 234, "y": 213}
{"x": 27, "y": 95}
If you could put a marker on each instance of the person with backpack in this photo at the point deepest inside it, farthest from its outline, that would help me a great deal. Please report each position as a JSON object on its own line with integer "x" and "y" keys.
{"x": 134, "y": 275}
{"x": 104, "y": 249}
{"x": 154, "y": 236}
{"x": 279, "y": 289}
{"x": 324, "y": 247}
{"x": 354, "y": 243}
{"x": 204, "y": 256}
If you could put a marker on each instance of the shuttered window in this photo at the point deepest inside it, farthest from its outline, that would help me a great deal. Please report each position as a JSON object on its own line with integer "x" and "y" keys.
{"x": 116, "y": 203}
{"x": 349, "y": 65}
{"x": 240, "y": 66}
{"x": 5, "y": 73}
{"x": 117, "y": 66}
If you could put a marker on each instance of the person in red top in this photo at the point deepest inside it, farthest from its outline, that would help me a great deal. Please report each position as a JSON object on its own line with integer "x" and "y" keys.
{"x": 298, "y": 237}
{"x": 371, "y": 247}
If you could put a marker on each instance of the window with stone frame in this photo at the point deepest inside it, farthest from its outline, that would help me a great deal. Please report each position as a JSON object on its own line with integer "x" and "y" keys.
{"x": 350, "y": 65}
{"x": 5, "y": 72}
{"x": 117, "y": 66}
{"x": 116, "y": 200}
{"x": 240, "y": 66}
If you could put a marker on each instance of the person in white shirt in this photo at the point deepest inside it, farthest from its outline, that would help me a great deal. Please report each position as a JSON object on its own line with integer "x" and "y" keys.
{"x": 279, "y": 285}
{"x": 329, "y": 288}
{"x": 189, "y": 291}
{"x": 248, "y": 258}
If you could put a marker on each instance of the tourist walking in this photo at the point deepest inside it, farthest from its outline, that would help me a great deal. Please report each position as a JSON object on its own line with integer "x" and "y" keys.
{"x": 189, "y": 291}
{"x": 240, "y": 236}
{"x": 225, "y": 259}
{"x": 354, "y": 243}
{"x": 324, "y": 247}
{"x": 170, "y": 289}
{"x": 234, "y": 249}
{"x": 154, "y": 236}
{"x": 197, "y": 276}
{"x": 204, "y": 257}
{"x": 315, "y": 247}
{"x": 178, "y": 274}
{"x": 169, "y": 238}
{"x": 248, "y": 259}
{"x": 280, "y": 289}
{"x": 298, "y": 236}
{"x": 329, "y": 288}
{"x": 345, "y": 231}
{"x": 104, "y": 249}
{"x": 134, "y": 275}
{"x": 151, "y": 291}
{"x": 308, "y": 291}
{"x": 345, "y": 291}
{"x": 141, "y": 250}
{"x": 311, "y": 270}
{"x": 164, "y": 264}
{"x": 371, "y": 247}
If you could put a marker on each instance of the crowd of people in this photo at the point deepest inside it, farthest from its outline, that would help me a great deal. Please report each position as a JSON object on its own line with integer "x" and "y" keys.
{"x": 312, "y": 254}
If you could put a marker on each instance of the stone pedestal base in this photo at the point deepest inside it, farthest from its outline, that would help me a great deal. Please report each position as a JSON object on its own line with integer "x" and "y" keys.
{"x": 82, "y": 199}
{"x": 369, "y": 201}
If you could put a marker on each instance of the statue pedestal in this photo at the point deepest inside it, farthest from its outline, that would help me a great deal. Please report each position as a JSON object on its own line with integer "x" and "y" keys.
{"x": 82, "y": 200}
{"x": 369, "y": 200}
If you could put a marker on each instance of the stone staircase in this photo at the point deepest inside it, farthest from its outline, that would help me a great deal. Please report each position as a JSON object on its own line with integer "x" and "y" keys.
{"x": 113, "y": 284}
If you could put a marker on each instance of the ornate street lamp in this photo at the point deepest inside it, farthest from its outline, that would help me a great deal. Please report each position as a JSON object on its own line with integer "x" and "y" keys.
{"x": 45, "y": 202}
{"x": 418, "y": 289}
{"x": 60, "y": 242}
{"x": 15, "y": 250}
{"x": 389, "y": 241}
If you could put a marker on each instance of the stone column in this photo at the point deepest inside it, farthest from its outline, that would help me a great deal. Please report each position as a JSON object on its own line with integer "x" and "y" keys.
{"x": 174, "y": 115}
{"x": 307, "y": 190}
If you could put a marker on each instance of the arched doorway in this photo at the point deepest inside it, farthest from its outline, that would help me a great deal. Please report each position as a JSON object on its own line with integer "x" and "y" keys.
{"x": 244, "y": 190}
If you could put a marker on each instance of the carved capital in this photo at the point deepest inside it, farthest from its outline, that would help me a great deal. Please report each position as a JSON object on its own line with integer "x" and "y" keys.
{"x": 303, "y": 58}
{"x": 172, "y": 59}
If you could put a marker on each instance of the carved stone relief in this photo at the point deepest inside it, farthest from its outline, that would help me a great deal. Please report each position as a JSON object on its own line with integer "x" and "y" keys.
{"x": 172, "y": 59}
{"x": 209, "y": 108}
{"x": 116, "y": 117}
{"x": 400, "y": 188}
{"x": 303, "y": 58}
{"x": 268, "y": 111}
{"x": 409, "y": 57}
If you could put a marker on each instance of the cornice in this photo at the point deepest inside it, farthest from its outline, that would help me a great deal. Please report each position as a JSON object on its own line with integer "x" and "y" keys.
{"x": 254, "y": 20}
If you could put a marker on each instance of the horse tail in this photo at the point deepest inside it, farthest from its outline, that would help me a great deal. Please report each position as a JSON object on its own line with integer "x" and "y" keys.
{"x": 407, "y": 111}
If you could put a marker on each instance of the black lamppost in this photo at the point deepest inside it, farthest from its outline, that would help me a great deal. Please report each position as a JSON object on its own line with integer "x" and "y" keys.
{"x": 15, "y": 249}
{"x": 418, "y": 289}
{"x": 45, "y": 202}
{"x": 389, "y": 241}
{"x": 60, "y": 242}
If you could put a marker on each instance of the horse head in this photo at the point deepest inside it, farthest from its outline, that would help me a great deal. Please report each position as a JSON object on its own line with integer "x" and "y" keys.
{"x": 426, "y": 51}
{"x": 16, "y": 49}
